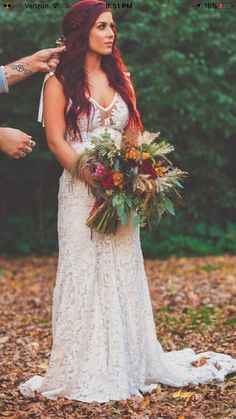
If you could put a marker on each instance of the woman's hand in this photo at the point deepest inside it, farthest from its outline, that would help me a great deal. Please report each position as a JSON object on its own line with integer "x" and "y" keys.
{"x": 81, "y": 169}
{"x": 86, "y": 175}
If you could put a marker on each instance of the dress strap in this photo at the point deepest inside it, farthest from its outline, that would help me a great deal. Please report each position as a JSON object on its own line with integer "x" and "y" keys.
{"x": 40, "y": 112}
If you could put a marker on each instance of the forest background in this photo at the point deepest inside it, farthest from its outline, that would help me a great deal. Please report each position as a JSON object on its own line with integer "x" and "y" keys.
{"x": 182, "y": 60}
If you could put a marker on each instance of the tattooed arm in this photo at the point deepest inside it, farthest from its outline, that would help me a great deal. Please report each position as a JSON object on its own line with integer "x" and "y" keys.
{"x": 19, "y": 70}
{"x": 42, "y": 61}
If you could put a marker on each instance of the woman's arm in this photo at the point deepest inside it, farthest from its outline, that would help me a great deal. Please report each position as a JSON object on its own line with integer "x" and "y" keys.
{"x": 55, "y": 127}
{"x": 55, "y": 124}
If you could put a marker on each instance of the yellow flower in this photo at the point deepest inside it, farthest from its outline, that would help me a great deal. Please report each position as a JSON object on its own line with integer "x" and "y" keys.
{"x": 145, "y": 155}
{"x": 118, "y": 178}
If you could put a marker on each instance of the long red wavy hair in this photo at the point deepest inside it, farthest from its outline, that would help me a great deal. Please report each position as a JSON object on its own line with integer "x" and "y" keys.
{"x": 76, "y": 26}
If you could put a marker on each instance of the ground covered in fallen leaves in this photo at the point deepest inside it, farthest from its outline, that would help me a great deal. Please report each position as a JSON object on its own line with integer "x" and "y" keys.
{"x": 194, "y": 306}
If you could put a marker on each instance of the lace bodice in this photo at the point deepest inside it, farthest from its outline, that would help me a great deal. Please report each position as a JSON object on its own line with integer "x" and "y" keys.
{"x": 114, "y": 118}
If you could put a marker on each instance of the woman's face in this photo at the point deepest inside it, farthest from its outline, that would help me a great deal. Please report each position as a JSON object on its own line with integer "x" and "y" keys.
{"x": 102, "y": 34}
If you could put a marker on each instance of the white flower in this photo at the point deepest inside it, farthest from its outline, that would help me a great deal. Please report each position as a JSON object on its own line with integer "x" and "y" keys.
{"x": 164, "y": 149}
{"x": 142, "y": 183}
{"x": 159, "y": 184}
{"x": 114, "y": 134}
{"x": 147, "y": 137}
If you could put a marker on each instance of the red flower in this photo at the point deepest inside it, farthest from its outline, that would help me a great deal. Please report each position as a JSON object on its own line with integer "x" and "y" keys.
{"x": 108, "y": 183}
{"x": 146, "y": 168}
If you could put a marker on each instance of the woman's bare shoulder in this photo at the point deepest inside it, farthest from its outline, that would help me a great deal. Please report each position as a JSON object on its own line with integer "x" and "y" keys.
{"x": 54, "y": 88}
{"x": 53, "y": 82}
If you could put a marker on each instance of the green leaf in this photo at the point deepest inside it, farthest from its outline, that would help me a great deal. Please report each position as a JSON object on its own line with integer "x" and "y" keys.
{"x": 121, "y": 210}
{"x": 117, "y": 164}
{"x": 136, "y": 220}
{"x": 177, "y": 183}
{"x": 124, "y": 218}
{"x": 129, "y": 201}
{"x": 114, "y": 200}
{"x": 168, "y": 204}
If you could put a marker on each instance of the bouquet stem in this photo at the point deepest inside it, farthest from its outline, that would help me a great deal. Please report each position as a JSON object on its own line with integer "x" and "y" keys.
{"x": 103, "y": 218}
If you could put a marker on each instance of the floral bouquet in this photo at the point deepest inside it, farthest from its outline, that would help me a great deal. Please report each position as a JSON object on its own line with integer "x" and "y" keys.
{"x": 131, "y": 178}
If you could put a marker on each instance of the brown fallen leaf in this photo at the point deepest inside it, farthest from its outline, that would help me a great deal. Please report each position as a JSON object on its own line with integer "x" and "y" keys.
{"x": 43, "y": 364}
{"x": 203, "y": 360}
{"x": 4, "y": 339}
{"x": 158, "y": 390}
{"x": 144, "y": 404}
{"x": 199, "y": 362}
{"x": 183, "y": 394}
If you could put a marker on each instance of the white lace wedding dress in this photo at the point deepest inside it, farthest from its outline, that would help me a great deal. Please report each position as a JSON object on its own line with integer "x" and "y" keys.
{"x": 104, "y": 339}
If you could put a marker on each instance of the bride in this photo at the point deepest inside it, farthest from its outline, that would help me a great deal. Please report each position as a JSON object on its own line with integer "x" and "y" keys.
{"x": 104, "y": 339}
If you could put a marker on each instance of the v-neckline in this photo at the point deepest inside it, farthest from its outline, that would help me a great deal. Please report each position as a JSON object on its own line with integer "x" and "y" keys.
{"x": 108, "y": 107}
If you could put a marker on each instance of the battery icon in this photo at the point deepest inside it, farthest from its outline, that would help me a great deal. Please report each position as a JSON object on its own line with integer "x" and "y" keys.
{"x": 225, "y": 5}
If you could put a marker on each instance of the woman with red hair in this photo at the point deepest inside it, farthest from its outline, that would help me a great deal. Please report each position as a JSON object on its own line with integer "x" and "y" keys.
{"x": 104, "y": 340}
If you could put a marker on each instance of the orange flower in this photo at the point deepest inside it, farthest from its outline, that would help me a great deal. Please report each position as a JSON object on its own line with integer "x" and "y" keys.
{"x": 118, "y": 178}
{"x": 132, "y": 154}
{"x": 145, "y": 155}
{"x": 160, "y": 170}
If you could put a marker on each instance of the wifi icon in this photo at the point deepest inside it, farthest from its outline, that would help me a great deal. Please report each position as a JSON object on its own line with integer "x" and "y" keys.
{"x": 55, "y": 5}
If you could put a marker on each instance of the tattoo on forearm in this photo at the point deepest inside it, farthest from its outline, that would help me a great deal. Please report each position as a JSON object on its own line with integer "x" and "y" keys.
{"x": 17, "y": 68}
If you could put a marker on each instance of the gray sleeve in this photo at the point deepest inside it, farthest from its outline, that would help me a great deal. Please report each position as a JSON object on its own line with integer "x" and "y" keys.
{"x": 3, "y": 81}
